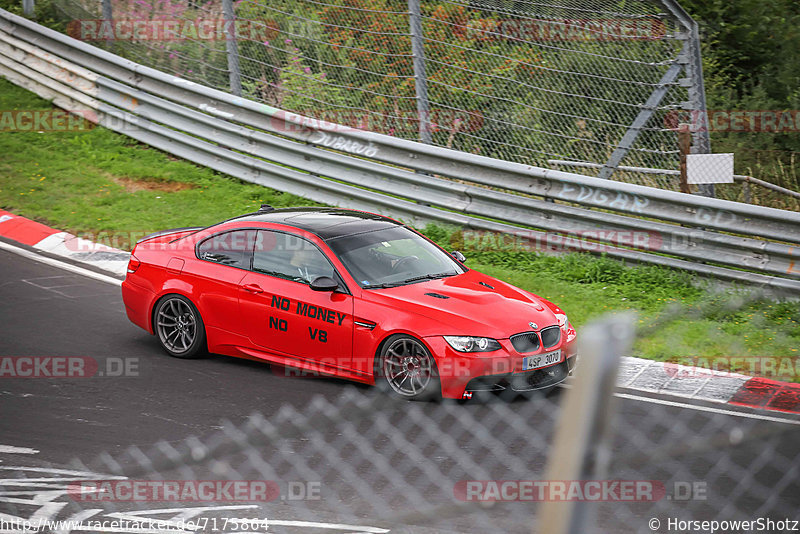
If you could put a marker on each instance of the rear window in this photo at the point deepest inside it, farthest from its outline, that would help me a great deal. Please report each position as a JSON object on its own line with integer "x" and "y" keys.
{"x": 229, "y": 248}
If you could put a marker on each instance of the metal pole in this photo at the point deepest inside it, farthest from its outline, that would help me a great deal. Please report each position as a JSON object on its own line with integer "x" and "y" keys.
{"x": 420, "y": 79}
{"x": 108, "y": 17}
{"x": 27, "y": 8}
{"x": 697, "y": 90}
{"x": 232, "y": 47}
{"x": 684, "y": 145}
{"x": 697, "y": 95}
{"x": 584, "y": 433}
{"x": 653, "y": 101}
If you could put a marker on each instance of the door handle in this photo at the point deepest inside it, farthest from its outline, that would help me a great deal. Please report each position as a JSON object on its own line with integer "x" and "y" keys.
{"x": 252, "y": 288}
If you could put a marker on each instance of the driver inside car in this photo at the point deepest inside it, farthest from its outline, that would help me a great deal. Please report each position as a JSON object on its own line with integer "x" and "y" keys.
{"x": 307, "y": 263}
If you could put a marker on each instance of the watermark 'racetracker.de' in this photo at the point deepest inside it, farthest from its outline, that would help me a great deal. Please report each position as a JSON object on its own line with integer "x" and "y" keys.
{"x": 201, "y": 29}
{"x": 67, "y": 367}
{"x": 193, "y": 490}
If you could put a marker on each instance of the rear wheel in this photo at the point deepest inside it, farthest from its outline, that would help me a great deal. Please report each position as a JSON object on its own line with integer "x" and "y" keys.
{"x": 407, "y": 369}
{"x": 179, "y": 327}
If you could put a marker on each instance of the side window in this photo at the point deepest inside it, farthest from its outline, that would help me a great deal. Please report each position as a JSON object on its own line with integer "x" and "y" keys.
{"x": 290, "y": 257}
{"x": 228, "y": 248}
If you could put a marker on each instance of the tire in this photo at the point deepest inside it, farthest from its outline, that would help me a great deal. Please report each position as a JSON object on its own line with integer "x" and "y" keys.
{"x": 179, "y": 327}
{"x": 406, "y": 369}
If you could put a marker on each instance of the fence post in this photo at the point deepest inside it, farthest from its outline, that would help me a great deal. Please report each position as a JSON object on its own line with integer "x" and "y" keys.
{"x": 583, "y": 440}
{"x": 28, "y": 8}
{"x": 697, "y": 94}
{"x": 695, "y": 84}
{"x": 684, "y": 145}
{"x": 108, "y": 17}
{"x": 420, "y": 78}
{"x": 232, "y": 47}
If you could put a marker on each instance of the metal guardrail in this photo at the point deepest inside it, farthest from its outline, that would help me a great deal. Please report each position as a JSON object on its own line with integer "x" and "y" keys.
{"x": 638, "y": 62}
{"x": 344, "y": 166}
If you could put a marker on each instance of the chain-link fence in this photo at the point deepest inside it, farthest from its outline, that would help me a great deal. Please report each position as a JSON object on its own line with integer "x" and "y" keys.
{"x": 592, "y": 87}
{"x": 571, "y": 460}
{"x": 523, "y": 81}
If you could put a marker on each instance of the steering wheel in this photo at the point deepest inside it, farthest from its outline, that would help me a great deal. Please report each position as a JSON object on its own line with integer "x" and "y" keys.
{"x": 402, "y": 261}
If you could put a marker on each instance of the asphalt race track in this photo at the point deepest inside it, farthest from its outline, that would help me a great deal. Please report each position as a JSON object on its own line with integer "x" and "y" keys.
{"x": 46, "y": 311}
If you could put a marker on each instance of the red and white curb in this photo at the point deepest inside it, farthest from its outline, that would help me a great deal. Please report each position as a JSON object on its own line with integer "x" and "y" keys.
{"x": 42, "y": 237}
{"x": 709, "y": 385}
{"x": 635, "y": 373}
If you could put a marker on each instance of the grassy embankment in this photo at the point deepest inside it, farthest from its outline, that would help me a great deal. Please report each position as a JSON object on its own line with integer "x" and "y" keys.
{"x": 103, "y": 184}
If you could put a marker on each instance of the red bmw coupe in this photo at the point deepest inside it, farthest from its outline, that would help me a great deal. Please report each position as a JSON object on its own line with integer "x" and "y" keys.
{"x": 349, "y": 294}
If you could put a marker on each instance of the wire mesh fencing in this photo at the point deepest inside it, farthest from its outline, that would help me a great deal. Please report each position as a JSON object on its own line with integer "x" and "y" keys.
{"x": 571, "y": 460}
{"x": 522, "y": 81}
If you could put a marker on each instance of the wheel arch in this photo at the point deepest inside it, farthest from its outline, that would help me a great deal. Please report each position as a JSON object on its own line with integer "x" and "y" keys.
{"x": 387, "y": 336}
{"x": 172, "y": 288}
{"x": 199, "y": 343}
{"x": 161, "y": 296}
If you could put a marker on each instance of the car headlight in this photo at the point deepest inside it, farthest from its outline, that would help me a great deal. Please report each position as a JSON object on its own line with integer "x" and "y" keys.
{"x": 472, "y": 344}
{"x": 567, "y": 328}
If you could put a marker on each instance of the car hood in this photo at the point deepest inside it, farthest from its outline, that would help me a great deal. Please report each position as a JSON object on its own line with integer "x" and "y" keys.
{"x": 463, "y": 305}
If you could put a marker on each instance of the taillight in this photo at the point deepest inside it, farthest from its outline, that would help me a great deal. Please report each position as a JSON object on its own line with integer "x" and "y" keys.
{"x": 133, "y": 264}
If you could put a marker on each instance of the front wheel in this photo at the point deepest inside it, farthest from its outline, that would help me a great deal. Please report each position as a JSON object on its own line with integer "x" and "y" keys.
{"x": 179, "y": 327}
{"x": 407, "y": 369}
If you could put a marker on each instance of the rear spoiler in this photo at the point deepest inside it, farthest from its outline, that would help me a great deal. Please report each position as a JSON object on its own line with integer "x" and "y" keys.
{"x": 170, "y": 231}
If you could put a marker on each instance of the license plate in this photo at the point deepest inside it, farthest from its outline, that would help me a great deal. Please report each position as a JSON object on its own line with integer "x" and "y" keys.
{"x": 541, "y": 360}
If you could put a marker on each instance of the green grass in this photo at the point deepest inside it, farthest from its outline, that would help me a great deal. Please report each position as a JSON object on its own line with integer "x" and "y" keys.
{"x": 98, "y": 182}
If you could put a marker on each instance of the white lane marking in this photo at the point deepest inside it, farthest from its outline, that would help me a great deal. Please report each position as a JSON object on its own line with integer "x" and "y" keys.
{"x": 52, "y": 289}
{"x": 708, "y": 409}
{"x": 332, "y": 526}
{"x": 697, "y": 407}
{"x": 33, "y": 481}
{"x": 180, "y": 518}
{"x": 60, "y": 264}
{"x": 8, "y": 449}
{"x": 189, "y": 513}
{"x": 64, "y": 472}
{"x": 184, "y": 513}
{"x": 49, "y": 509}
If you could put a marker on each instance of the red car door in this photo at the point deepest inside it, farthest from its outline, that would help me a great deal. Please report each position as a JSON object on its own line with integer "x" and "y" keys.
{"x": 283, "y": 315}
{"x": 225, "y": 261}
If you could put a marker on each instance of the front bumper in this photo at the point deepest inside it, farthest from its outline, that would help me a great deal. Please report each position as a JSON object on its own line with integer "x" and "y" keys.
{"x": 524, "y": 381}
{"x": 462, "y": 373}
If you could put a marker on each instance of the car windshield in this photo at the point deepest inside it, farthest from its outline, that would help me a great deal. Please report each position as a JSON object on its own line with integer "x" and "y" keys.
{"x": 392, "y": 257}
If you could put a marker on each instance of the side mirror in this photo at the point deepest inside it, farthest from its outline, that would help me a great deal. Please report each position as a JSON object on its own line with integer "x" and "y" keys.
{"x": 324, "y": 283}
{"x": 459, "y": 256}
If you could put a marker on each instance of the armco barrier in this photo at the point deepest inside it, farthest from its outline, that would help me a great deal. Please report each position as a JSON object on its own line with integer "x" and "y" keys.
{"x": 417, "y": 182}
